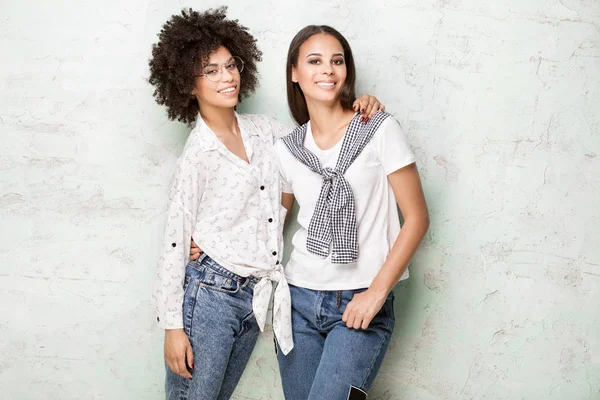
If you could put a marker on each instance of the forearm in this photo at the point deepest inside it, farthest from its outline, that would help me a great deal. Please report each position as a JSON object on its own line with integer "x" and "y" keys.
{"x": 287, "y": 201}
{"x": 404, "y": 248}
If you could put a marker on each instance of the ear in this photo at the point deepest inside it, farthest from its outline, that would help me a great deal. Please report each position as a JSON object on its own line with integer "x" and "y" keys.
{"x": 294, "y": 75}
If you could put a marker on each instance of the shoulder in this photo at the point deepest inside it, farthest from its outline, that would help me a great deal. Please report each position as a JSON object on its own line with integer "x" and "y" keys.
{"x": 293, "y": 138}
{"x": 196, "y": 144}
{"x": 383, "y": 121}
{"x": 280, "y": 147}
{"x": 264, "y": 125}
{"x": 255, "y": 118}
{"x": 386, "y": 126}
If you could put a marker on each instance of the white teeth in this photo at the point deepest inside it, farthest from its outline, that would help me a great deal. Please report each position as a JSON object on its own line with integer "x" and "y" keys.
{"x": 326, "y": 84}
{"x": 228, "y": 90}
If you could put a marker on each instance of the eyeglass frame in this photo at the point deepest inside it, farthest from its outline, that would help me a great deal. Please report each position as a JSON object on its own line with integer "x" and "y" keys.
{"x": 222, "y": 66}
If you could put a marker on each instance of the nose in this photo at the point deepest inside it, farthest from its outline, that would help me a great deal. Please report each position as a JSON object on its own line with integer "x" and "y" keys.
{"x": 226, "y": 76}
{"x": 328, "y": 69}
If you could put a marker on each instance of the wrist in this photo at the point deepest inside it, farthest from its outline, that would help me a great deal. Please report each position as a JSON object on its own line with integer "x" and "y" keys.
{"x": 379, "y": 292}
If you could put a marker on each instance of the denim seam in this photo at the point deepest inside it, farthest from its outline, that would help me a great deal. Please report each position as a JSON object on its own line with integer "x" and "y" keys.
{"x": 183, "y": 394}
{"x": 216, "y": 289}
{"x": 318, "y": 306}
{"x": 364, "y": 382}
{"x": 190, "y": 316}
{"x": 243, "y": 324}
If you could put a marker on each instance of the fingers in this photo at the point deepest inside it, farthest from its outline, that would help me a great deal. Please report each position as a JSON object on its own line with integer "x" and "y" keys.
{"x": 374, "y": 106}
{"x": 365, "y": 323}
{"x": 357, "y": 322}
{"x": 189, "y": 356}
{"x": 195, "y": 253}
{"x": 370, "y": 108}
{"x": 177, "y": 365}
{"x": 177, "y": 346}
{"x": 350, "y": 320}
{"x": 352, "y": 317}
{"x": 354, "y": 321}
{"x": 359, "y": 105}
{"x": 347, "y": 315}
{"x": 182, "y": 370}
{"x": 356, "y": 316}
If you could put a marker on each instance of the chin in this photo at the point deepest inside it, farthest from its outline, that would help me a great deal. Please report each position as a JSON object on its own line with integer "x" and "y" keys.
{"x": 327, "y": 99}
{"x": 228, "y": 104}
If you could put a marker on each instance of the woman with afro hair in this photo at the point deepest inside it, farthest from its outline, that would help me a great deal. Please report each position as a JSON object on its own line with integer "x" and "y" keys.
{"x": 226, "y": 196}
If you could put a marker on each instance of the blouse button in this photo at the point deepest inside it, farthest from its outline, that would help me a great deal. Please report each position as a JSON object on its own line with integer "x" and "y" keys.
{"x": 262, "y": 188}
{"x": 173, "y": 245}
{"x": 274, "y": 253}
{"x": 270, "y": 219}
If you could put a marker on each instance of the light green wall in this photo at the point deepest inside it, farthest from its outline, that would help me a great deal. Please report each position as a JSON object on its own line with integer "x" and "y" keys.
{"x": 501, "y": 104}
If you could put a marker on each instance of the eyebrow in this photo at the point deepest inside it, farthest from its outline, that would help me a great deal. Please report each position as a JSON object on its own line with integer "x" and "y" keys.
{"x": 321, "y": 55}
{"x": 216, "y": 65}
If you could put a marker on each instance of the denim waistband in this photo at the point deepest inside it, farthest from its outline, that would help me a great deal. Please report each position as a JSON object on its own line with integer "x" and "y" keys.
{"x": 207, "y": 262}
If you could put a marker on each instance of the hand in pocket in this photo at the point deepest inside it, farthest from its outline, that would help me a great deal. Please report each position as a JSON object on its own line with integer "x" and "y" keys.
{"x": 195, "y": 251}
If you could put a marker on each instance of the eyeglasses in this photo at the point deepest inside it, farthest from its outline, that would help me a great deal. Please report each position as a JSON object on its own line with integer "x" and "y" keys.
{"x": 214, "y": 72}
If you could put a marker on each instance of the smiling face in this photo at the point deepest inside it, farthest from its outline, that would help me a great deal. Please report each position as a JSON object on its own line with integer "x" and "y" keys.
{"x": 321, "y": 68}
{"x": 224, "y": 92}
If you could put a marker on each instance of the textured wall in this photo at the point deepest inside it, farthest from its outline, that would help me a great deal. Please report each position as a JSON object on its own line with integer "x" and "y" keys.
{"x": 500, "y": 100}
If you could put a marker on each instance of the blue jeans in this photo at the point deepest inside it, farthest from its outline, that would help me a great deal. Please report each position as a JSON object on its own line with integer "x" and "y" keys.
{"x": 329, "y": 360}
{"x": 218, "y": 320}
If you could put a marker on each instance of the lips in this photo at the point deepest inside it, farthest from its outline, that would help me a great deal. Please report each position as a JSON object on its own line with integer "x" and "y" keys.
{"x": 326, "y": 84}
{"x": 228, "y": 90}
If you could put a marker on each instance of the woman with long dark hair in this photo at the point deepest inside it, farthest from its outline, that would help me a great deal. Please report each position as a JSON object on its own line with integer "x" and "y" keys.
{"x": 349, "y": 252}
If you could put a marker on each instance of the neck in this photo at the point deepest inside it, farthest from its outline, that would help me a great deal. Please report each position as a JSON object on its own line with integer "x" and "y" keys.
{"x": 327, "y": 119}
{"x": 219, "y": 119}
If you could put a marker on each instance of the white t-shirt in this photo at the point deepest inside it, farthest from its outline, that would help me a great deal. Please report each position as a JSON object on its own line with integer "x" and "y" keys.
{"x": 376, "y": 209}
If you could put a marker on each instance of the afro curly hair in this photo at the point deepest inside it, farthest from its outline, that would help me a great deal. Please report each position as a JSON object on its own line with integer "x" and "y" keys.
{"x": 184, "y": 47}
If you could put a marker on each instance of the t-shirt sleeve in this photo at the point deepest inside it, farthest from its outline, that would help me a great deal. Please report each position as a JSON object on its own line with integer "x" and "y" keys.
{"x": 281, "y": 155}
{"x": 392, "y": 146}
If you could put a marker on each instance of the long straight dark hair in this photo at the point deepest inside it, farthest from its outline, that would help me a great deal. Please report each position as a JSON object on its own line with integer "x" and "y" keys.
{"x": 296, "y": 100}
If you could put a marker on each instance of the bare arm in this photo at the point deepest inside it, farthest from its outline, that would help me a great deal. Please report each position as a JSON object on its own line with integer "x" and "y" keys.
{"x": 287, "y": 201}
{"x": 408, "y": 191}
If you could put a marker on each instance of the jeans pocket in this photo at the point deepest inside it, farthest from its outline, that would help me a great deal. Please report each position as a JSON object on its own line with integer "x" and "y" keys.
{"x": 387, "y": 310}
{"x": 213, "y": 280}
{"x": 389, "y": 306}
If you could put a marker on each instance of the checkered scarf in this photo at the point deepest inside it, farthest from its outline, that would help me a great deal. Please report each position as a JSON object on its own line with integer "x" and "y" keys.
{"x": 334, "y": 219}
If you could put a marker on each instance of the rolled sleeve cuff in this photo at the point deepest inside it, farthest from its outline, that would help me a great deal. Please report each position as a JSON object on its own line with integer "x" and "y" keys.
{"x": 172, "y": 320}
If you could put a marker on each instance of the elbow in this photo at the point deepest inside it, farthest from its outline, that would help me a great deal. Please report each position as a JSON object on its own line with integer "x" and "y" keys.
{"x": 426, "y": 222}
{"x": 423, "y": 222}
{"x": 419, "y": 223}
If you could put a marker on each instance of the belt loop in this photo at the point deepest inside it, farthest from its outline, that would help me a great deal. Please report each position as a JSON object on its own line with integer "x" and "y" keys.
{"x": 201, "y": 258}
{"x": 246, "y": 280}
{"x": 338, "y": 299}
